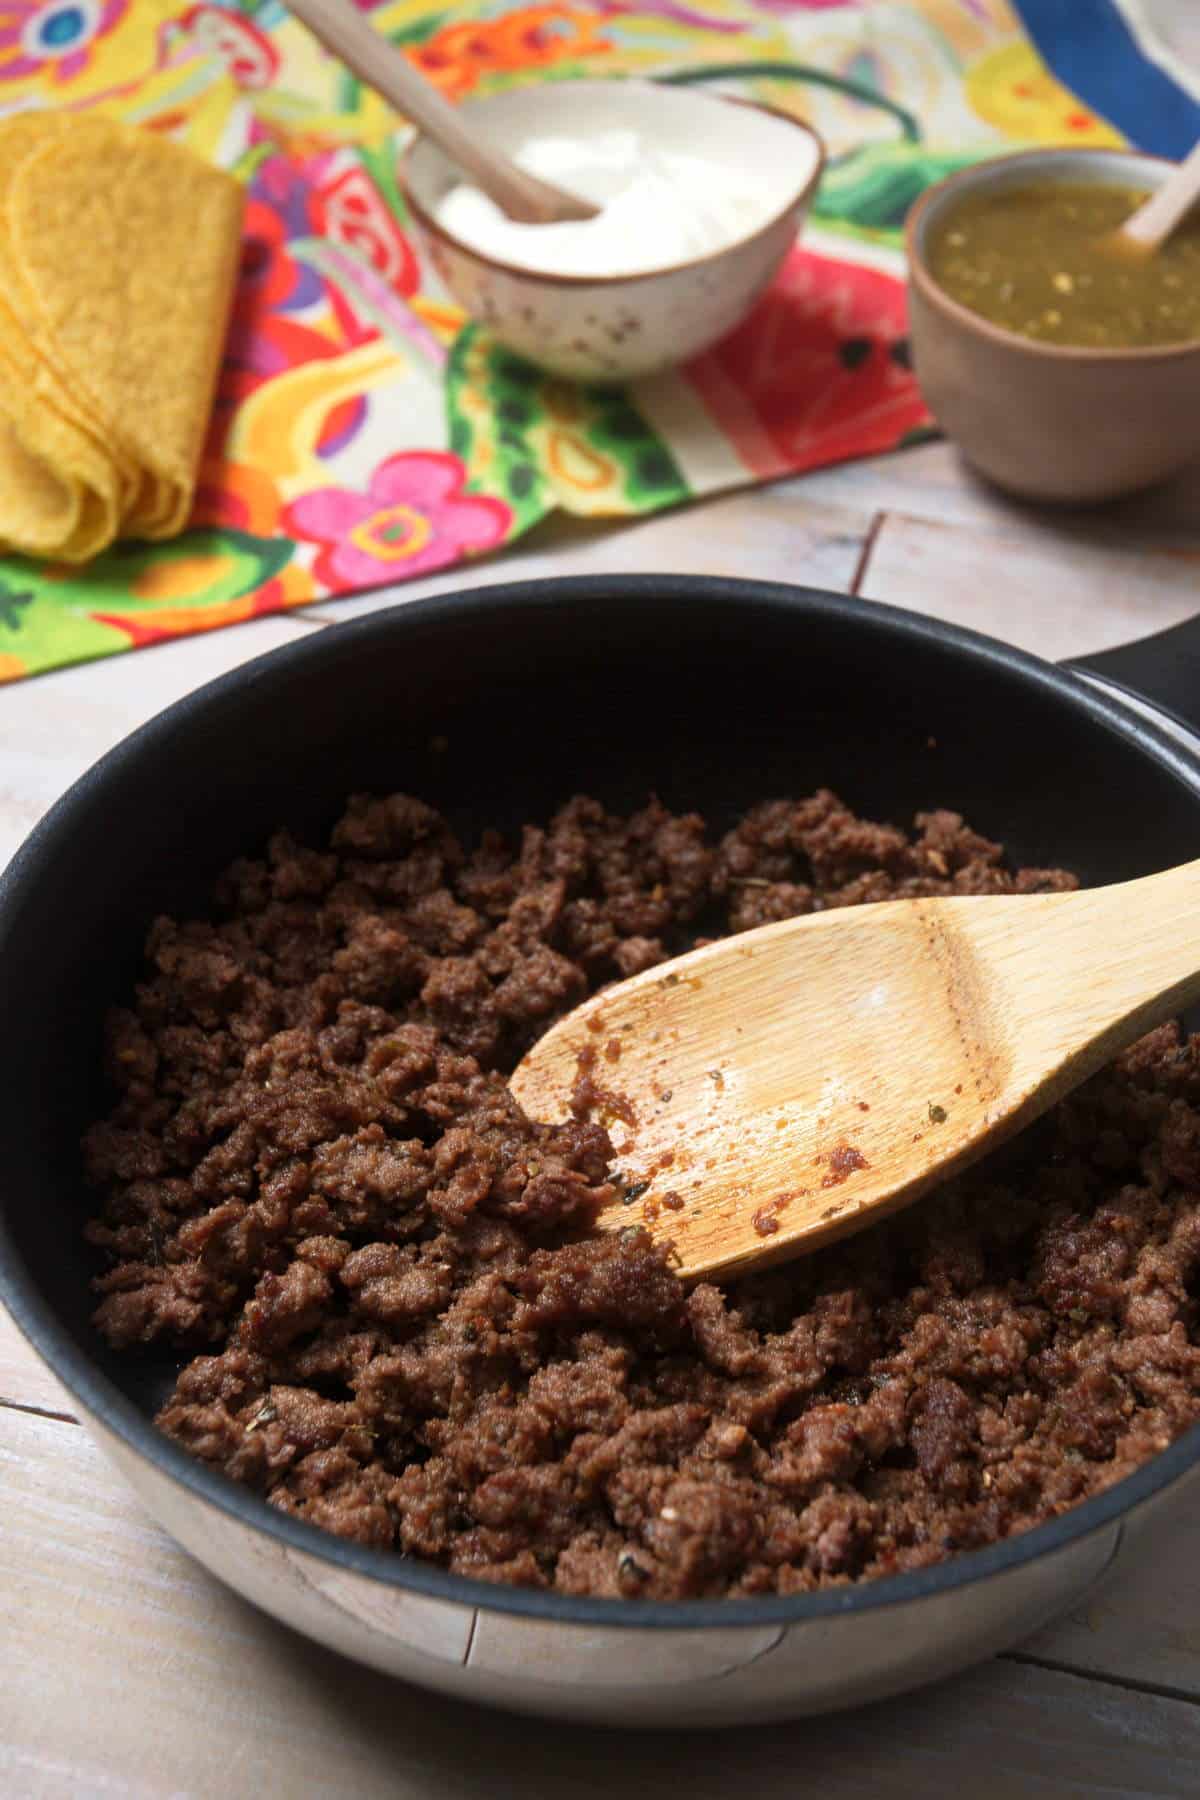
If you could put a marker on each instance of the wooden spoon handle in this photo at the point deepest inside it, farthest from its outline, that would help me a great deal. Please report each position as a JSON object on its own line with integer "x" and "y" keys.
{"x": 347, "y": 33}
{"x": 1154, "y": 221}
{"x": 1097, "y": 969}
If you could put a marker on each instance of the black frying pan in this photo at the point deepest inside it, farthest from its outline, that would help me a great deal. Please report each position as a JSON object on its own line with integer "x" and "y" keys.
{"x": 496, "y": 705}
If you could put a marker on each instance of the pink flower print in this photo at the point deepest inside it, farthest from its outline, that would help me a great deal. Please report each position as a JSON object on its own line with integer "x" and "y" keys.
{"x": 57, "y": 37}
{"x": 414, "y": 517}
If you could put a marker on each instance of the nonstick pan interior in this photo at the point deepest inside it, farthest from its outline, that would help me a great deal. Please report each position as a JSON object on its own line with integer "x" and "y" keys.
{"x": 497, "y": 707}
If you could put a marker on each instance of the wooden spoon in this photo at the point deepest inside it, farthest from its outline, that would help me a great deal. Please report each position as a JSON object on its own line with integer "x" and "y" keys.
{"x": 348, "y": 34}
{"x": 1145, "y": 229}
{"x": 788, "y": 1086}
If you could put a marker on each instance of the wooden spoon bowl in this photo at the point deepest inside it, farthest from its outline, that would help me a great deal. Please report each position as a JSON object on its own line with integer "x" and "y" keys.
{"x": 784, "y": 1087}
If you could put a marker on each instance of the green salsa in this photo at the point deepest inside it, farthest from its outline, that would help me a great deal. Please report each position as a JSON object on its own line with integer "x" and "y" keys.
{"x": 1033, "y": 260}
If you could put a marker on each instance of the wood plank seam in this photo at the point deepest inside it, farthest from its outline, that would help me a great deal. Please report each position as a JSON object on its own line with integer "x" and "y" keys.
{"x": 1159, "y": 1690}
{"x": 1055, "y": 536}
{"x": 39, "y": 1412}
{"x": 867, "y": 551}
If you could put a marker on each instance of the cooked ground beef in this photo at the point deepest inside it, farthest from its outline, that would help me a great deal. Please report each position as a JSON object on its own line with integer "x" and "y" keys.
{"x": 317, "y": 1188}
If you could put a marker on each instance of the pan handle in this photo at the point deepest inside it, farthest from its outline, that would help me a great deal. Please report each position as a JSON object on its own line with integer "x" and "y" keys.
{"x": 1163, "y": 670}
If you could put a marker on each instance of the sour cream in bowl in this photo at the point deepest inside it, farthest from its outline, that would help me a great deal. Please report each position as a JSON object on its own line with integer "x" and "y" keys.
{"x": 700, "y": 199}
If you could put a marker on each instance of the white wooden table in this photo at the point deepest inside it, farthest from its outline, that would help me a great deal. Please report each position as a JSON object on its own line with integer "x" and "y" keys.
{"x": 127, "y": 1671}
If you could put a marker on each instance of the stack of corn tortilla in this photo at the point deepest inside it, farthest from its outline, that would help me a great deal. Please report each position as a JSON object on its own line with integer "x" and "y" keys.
{"x": 118, "y": 254}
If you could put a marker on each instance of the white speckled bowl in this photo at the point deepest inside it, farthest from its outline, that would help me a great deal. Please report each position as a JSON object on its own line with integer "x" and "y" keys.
{"x": 614, "y": 327}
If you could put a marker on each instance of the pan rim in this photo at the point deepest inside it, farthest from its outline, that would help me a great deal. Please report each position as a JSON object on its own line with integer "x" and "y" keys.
{"x": 103, "y": 1402}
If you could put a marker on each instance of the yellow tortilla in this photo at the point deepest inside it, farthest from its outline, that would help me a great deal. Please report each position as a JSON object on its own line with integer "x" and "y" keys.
{"x": 59, "y": 492}
{"x": 20, "y": 135}
{"x": 59, "y": 489}
{"x": 37, "y": 510}
{"x": 118, "y": 254}
{"x": 143, "y": 333}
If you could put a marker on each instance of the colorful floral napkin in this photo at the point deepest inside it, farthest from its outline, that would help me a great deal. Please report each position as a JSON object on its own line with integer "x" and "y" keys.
{"x": 365, "y": 431}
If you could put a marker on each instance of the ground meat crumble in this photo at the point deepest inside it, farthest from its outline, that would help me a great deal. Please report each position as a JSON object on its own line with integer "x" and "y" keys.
{"x": 317, "y": 1188}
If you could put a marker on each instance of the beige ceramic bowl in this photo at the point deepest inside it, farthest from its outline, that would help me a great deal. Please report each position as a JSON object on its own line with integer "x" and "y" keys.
{"x": 1047, "y": 421}
{"x": 611, "y": 328}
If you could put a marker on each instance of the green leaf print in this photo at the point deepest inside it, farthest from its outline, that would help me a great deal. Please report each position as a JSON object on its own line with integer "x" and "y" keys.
{"x": 875, "y": 186}
{"x": 51, "y": 614}
{"x": 652, "y": 477}
{"x": 540, "y": 443}
{"x": 910, "y": 129}
{"x": 491, "y": 401}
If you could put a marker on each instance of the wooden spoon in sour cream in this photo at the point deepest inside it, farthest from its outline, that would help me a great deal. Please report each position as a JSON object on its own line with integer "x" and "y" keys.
{"x": 348, "y": 34}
